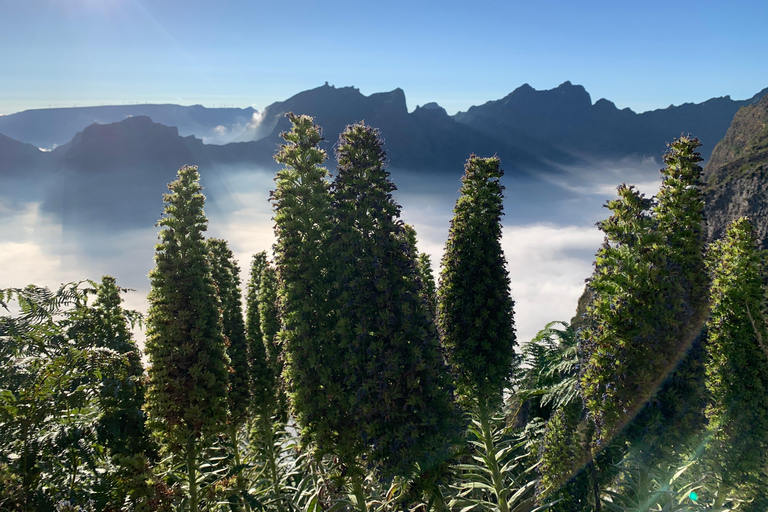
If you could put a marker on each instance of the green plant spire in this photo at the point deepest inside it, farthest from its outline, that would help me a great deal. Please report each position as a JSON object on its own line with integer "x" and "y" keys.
{"x": 427, "y": 288}
{"x": 475, "y": 309}
{"x": 270, "y": 327}
{"x": 262, "y": 379}
{"x": 397, "y": 386}
{"x": 252, "y": 321}
{"x": 226, "y": 276}
{"x": 564, "y": 459}
{"x": 737, "y": 369}
{"x": 620, "y": 366}
{"x": 643, "y": 352}
{"x": 187, "y": 391}
{"x": 673, "y": 419}
{"x": 302, "y": 212}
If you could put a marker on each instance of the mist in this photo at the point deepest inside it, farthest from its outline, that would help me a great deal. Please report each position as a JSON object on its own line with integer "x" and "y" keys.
{"x": 549, "y": 234}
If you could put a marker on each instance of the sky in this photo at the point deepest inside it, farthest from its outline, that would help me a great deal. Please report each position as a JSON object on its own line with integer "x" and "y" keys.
{"x": 642, "y": 55}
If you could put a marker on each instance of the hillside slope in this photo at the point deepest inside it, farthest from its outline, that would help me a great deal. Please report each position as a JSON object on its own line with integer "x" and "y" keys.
{"x": 737, "y": 174}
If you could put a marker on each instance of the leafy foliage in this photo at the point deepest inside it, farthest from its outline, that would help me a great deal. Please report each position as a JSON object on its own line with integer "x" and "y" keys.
{"x": 548, "y": 390}
{"x": 652, "y": 489}
{"x": 499, "y": 475}
{"x": 70, "y": 402}
{"x": 551, "y": 378}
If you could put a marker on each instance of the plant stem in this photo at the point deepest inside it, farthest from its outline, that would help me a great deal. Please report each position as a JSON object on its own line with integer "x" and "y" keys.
{"x": 236, "y": 448}
{"x": 498, "y": 484}
{"x": 439, "y": 500}
{"x": 593, "y": 474}
{"x": 721, "y": 496}
{"x": 357, "y": 487}
{"x": 269, "y": 442}
{"x": 191, "y": 476}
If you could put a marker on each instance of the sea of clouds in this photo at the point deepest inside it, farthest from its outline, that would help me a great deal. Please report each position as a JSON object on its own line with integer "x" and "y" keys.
{"x": 549, "y": 252}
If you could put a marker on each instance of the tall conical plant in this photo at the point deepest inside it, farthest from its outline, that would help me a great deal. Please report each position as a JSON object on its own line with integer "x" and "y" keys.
{"x": 643, "y": 351}
{"x": 618, "y": 375}
{"x": 673, "y": 419}
{"x": 226, "y": 276}
{"x": 262, "y": 378}
{"x": 270, "y": 328}
{"x": 737, "y": 369}
{"x": 397, "y": 387}
{"x": 427, "y": 288}
{"x": 269, "y": 405}
{"x": 475, "y": 308}
{"x": 187, "y": 390}
{"x": 302, "y": 212}
{"x": 475, "y": 319}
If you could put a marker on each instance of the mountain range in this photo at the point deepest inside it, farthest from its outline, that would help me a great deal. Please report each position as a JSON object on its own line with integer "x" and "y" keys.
{"x": 110, "y": 163}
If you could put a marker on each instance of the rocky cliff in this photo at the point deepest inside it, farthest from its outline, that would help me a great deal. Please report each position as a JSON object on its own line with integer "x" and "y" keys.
{"x": 737, "y": 174}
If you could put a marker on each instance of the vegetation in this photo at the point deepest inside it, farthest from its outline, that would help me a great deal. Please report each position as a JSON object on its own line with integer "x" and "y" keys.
{"x": 189, "y": 367}
{"x": 474, "y": 302}
{"x": 737, "y": 368}
{"x": 335, "y": 387}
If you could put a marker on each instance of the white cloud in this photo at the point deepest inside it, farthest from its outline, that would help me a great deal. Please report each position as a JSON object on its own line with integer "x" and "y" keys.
{"x": 36, "y": 249}
{"x": 547, "y": 262}
{"x": 547, "y": 266}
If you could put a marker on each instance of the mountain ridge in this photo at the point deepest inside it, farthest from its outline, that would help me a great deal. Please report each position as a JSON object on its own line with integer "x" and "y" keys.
{"x": 562, "y": 122}
{"x": 538, "y": 138}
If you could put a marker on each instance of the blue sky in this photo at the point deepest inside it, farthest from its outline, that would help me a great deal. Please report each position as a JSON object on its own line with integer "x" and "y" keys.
{"x": 642, "y": 55}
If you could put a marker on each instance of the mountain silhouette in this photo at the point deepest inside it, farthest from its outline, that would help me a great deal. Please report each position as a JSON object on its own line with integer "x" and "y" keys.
{"x": 47, "y": 128}
{"x": 115, "y": 173}
{"x": 567, "y": 119}
{"x": 425, "y": 139}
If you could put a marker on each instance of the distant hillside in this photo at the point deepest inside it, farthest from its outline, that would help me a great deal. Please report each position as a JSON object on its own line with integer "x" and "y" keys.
{"x": 737, "y": 174}
{"x": 47, "y": 128}
{"x": 20, "y": 159}
{"x": 114, "y": 173}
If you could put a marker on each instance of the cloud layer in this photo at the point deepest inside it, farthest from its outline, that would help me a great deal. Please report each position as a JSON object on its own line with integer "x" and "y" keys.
{"x": 547, "y": 261}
